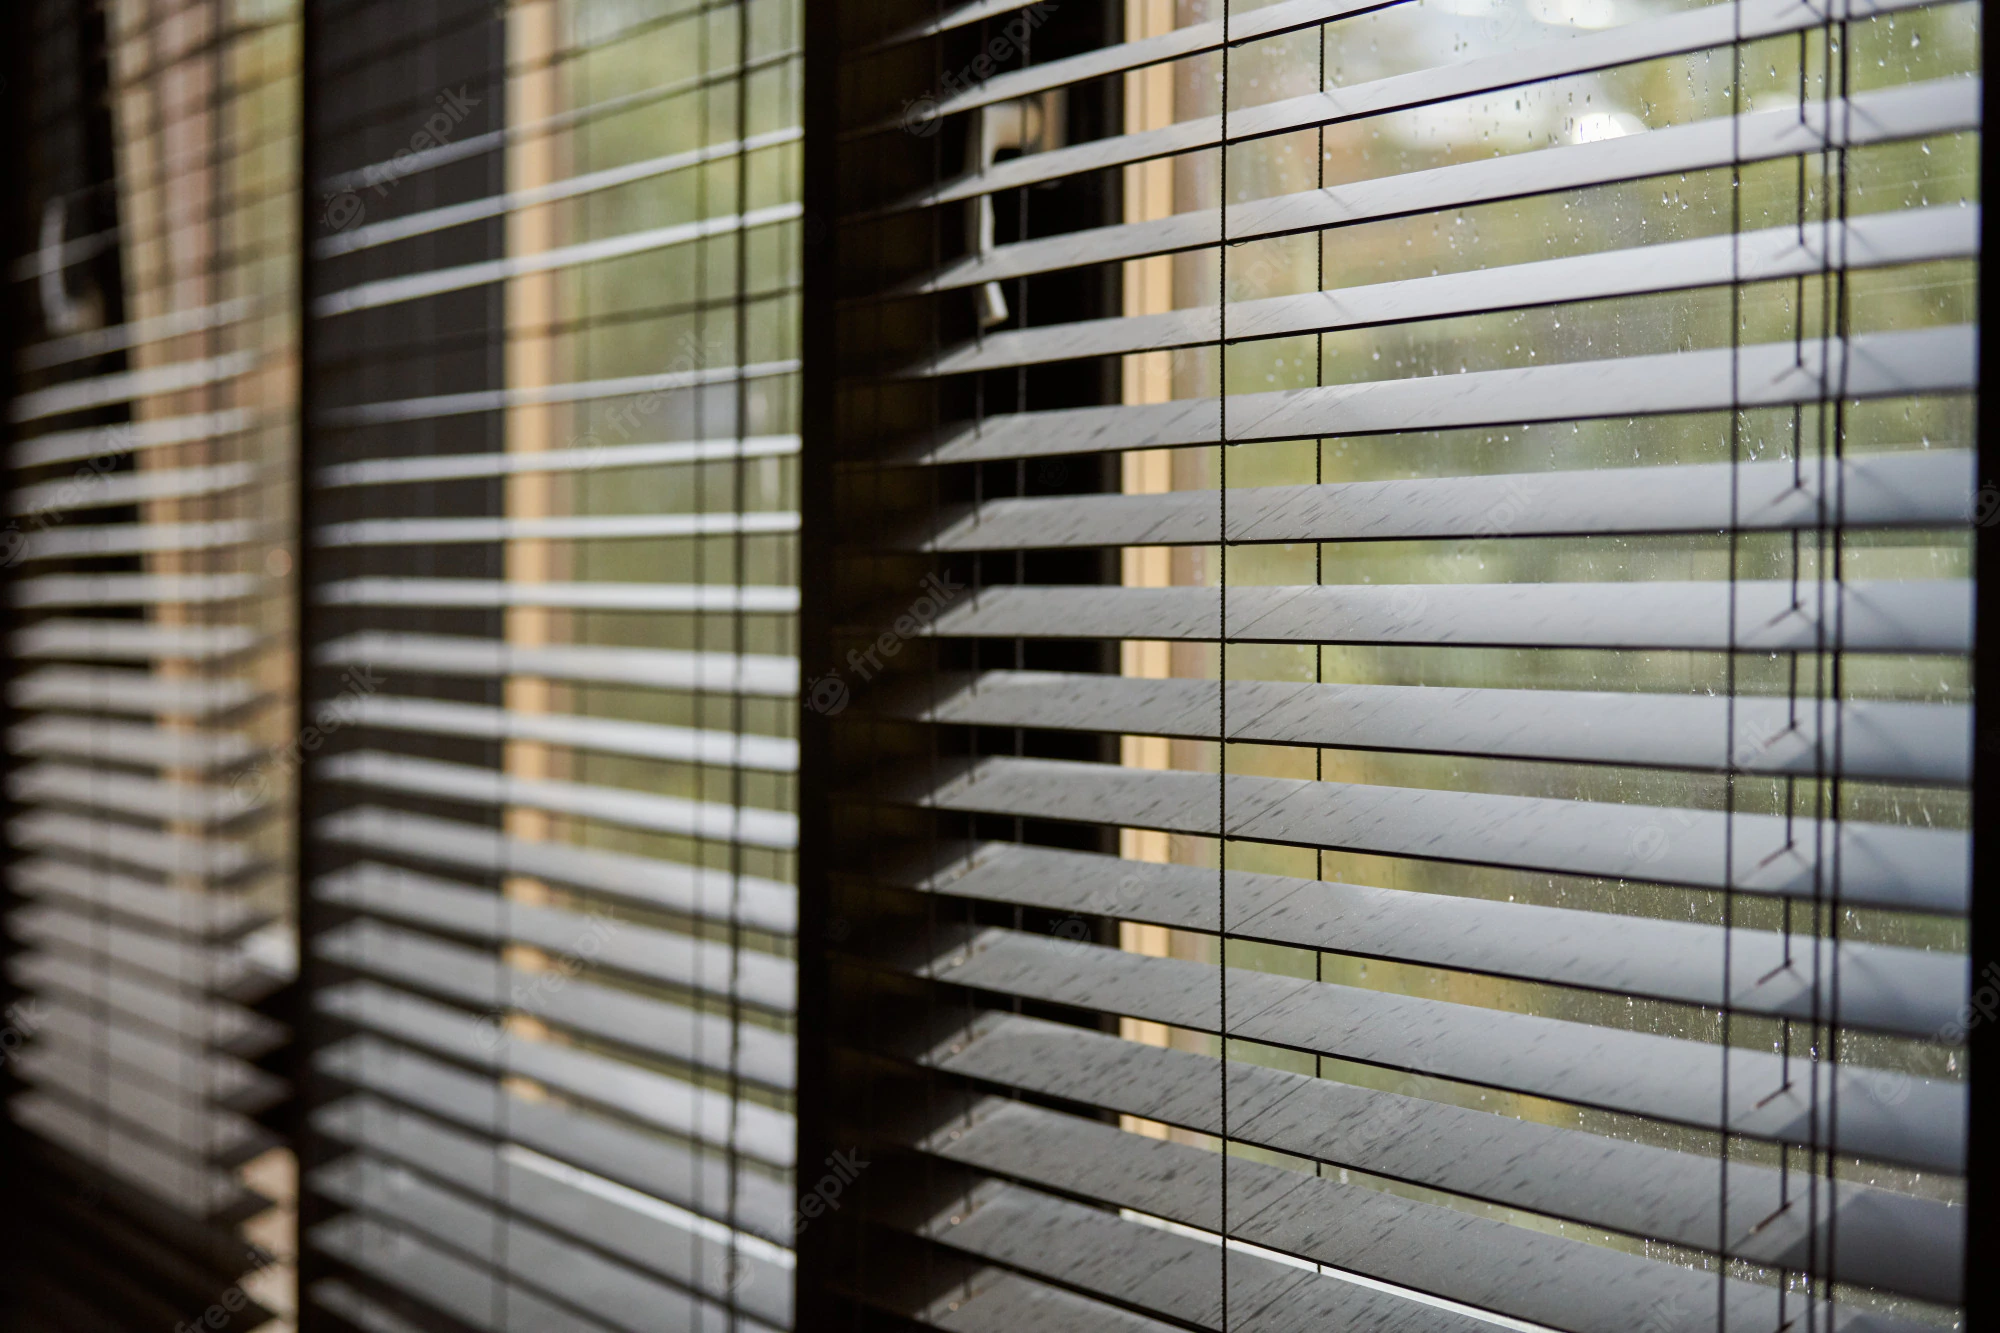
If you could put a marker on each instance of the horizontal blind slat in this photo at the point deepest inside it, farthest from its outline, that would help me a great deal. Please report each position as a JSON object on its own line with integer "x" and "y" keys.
{"x": 380, "y": 771}
{"x": 649, "y": 740}
{"x": 437, "y": 282}
{"x": 115, "y": 641}
{"x": 129, "y": 692}
{"x": 99, "y": 491}
{"x": 606, "y": 664}
{"x": 69, "y": 446}
{"x": 1912, "y": 992}
{"x": 1577, "y": 53}
{"x": 1883, "y": 865}
{"x": 1882, "y": 739}
{"x": 755, "y": 599}
{"x": 1759, "y": 616}
{"x": 170, "y": 800}
{"x": 124, "y": 386}
{"x": 1908, "y": 362}
{"x": 1877, "y": 240}
{"x": 95, "y": 890}
{"x": 112, "y": 842}
{"x": 432, "y": 407}
{"x": 1945, "y": 106}
{"x": 594, "y": 527}
{"x": 392, "y": 471}
{"x": 714, "y": 895}
{"x": 83, "y": 540}
{"x": 69, "y": 591}
{"x": 130, "y": 742}
{"x": 418, "y": 960}
{"x": 1917, "y": 488}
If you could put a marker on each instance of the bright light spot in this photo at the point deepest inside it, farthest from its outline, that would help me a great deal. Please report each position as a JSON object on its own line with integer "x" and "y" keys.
{"x": 1596, "y": 126}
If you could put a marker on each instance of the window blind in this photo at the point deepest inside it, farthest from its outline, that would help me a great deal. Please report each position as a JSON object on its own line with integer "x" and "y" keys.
{"x": 1392, "y": 713}
{"x": 150, "y": 442}
{"x": 552, "y": 512}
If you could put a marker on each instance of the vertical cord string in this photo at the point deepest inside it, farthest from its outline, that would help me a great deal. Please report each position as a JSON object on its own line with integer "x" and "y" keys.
{"x": 1816, "y": 1055}
{"x": 935, "y": 333}
{"x": 738, "y": 647}
{"x": 1786, "y": 1024}
{"x": 1839, "y": 334}
{"x": 1319, "y": 548}
{"x": 1822, "y": 1023}
{"x": 1222, "y": 654}
{"x": 1020, "y": 404}
{"x": 1790, "y": 801}
{"x": 545, "y": 64}
{"x": 1730, "y": 665}
{"x": 502, "y": 1098}
{"x": 215, "y": 137}
{"x": 703, "y": 618}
